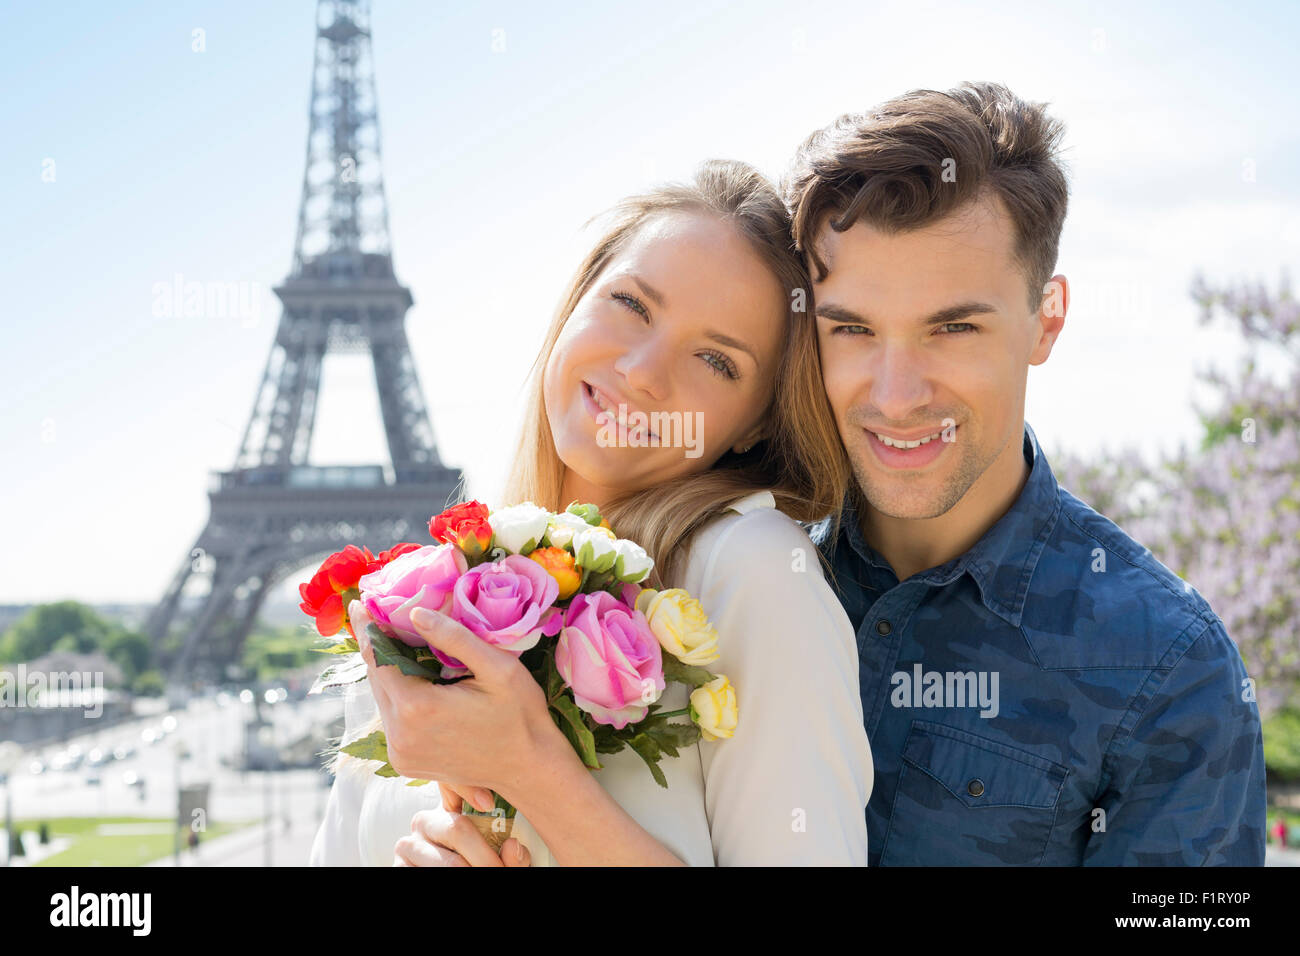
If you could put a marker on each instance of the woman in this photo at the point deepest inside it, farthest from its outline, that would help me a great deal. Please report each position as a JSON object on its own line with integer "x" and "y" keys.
{"x": 693, "y": 301}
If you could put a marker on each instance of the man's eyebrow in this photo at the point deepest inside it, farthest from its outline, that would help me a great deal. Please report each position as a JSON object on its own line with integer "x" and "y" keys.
{"x": 952, "y": 313}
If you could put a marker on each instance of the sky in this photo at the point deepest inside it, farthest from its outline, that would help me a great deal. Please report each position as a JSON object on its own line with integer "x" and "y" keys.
{"x": 129, "y": 159}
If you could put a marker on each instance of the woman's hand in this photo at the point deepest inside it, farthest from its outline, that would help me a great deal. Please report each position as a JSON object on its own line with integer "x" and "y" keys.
{"x": 444, "y": 838}
{"x": 492, "y": 728}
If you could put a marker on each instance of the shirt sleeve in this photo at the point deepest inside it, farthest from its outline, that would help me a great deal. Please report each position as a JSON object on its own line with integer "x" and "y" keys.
{"x": 337, "y": 840}
{"x": 790, "y": 787}
{"x": 1186, "y": 787}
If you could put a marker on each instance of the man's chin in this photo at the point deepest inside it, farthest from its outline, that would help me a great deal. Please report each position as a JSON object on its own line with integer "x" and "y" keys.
{"x": 898, "y": 498}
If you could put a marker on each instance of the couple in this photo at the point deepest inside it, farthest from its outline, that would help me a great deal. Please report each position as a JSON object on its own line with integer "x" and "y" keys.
{"x": 941, "y": 657}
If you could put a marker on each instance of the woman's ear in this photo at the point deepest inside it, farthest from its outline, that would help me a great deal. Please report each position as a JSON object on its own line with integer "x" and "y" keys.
{"x": 748, "y": 440}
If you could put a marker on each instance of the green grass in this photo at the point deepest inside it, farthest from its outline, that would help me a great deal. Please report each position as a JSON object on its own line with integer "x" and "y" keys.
{"x": 90, "y": 848}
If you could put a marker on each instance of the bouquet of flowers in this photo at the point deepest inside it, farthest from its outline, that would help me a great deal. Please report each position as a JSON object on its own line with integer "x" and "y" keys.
{"x": 560, "y": 591}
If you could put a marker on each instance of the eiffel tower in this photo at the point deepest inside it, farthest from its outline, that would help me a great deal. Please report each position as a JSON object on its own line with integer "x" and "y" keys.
{"x": 272, "y": 513}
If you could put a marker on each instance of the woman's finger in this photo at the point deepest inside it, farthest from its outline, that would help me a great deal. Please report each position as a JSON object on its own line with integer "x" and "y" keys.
{"x": 453, "y": 794}
{"x": 514, "y": 853}
{"x": 455, "y": 832}
{"x": 456, "y": 640}
{"x": 414, "y": 850}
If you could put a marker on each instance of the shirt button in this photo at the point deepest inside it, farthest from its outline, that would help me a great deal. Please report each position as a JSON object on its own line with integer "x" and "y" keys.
{"x": 883, "y": 628}
{"x": 975, "y": 787}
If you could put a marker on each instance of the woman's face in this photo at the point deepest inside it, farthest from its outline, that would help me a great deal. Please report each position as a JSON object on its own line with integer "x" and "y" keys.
{"x": 679, "y": 338}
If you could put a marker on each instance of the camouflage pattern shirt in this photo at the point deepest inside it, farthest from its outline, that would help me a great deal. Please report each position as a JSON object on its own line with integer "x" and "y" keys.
{"x": 1055, "y": 696}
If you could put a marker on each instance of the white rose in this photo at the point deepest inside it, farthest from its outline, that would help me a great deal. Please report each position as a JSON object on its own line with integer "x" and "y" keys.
{"x": 593, "y": 549}
{"x": 564, "y": 526}
{"x": 519, "y": 528}
{"x": 631, "y": 563}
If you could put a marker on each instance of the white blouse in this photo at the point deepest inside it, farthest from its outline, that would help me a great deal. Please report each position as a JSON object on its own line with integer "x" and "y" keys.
{"x": 791, "y": 785}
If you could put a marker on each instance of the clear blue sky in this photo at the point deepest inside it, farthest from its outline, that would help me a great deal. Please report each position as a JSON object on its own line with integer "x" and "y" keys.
{"x": 169, "y": 162}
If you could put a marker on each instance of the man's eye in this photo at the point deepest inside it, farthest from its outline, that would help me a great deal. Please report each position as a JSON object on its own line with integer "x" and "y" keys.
{"x": 846, "y": 329}
{"x": 959, "y": 326}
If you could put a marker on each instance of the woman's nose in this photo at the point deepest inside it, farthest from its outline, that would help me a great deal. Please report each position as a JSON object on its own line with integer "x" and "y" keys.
{"x": 646, "y": 368}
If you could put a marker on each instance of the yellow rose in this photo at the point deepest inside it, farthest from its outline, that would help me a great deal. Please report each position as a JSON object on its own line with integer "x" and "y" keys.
{"x": 679, "y": 622}
{"x": 713, "y": 708}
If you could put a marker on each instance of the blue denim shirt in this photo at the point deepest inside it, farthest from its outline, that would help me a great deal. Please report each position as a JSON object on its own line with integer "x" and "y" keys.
{"x": 1054, "y": 696}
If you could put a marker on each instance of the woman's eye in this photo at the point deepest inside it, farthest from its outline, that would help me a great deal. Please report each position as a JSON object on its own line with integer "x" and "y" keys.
{"x": 721, "y": 364}
{"x": 632, "y": 302}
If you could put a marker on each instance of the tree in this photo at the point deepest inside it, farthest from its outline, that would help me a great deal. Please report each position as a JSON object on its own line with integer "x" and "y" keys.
{"x": 1226, "y": 517}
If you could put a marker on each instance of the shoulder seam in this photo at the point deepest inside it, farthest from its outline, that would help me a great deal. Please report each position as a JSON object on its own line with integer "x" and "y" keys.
{"x": 715, "y": 549}
{"x": 1125, "y": 726}
{"x": 1198, "y": 613}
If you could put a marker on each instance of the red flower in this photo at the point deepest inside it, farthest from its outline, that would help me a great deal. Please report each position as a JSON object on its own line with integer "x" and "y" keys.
{"x": 464, "y": 525}
{"x": 323, "y": 597}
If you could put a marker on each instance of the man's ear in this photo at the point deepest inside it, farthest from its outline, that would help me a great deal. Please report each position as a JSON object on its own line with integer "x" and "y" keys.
{"x": 1050, "y": 318}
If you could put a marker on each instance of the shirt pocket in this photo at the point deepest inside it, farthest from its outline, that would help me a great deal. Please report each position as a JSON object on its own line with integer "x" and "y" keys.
{"x": 965, "y": 800}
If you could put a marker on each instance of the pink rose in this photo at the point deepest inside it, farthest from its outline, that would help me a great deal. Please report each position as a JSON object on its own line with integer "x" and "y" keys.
{"x": 424, "y": 577}
{"x": 610, "y": 658}
{"x": 507, "y": 603}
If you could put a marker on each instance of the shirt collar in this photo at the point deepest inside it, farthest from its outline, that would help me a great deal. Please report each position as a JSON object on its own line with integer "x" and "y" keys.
{"x": 1003, "y": 560}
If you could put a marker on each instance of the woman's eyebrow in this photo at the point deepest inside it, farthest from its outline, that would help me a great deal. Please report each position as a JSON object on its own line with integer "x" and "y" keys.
{"x": 650, "y": 291}
{"x": 734, "y": 343}
{"x": 655, "y": 296}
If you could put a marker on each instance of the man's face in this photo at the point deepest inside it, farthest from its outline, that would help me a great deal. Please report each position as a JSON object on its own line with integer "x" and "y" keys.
{"x": 926, "y": 336}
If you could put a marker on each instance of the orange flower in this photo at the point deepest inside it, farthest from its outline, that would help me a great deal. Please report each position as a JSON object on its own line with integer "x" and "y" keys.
{"x": 558, "y": 563}
{"x": 464, "y": 525}
{"x": 323, "y": 597}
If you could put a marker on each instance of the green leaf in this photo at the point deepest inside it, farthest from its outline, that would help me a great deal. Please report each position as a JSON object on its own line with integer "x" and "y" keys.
{"x": 648, "y": 750}
{"x": 387, "y": 771}
{"x": 417, "y": 783}
{"x": 347, "y": 646}
{"x": 348, "y": 670}
{"x": 608, "y": 740}
{"x": 579, "y": 734}
{"x": 688, "y": 674}
{"x": 671, "y": 736}
{"x": 554, "y": 682}
{"x": 400, "y": 655}
{"x": 372, "y": 747}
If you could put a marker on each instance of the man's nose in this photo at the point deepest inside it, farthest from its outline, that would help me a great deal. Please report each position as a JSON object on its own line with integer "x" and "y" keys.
{"x": 900, "y": 383}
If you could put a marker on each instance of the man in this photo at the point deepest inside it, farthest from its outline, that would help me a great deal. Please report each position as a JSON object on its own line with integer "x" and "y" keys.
{"x": 1037, "y": 688}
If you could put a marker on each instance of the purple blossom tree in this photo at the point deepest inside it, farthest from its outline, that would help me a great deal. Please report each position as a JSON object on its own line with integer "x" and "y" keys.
{"x": 1226, "y": 517}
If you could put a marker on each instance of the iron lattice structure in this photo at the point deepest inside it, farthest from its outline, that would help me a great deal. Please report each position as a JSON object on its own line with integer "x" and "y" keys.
{"x": 272, "y": 513}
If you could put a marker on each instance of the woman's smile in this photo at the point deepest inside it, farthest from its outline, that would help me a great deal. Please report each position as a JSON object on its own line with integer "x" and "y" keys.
{"x": 604, "y": 410}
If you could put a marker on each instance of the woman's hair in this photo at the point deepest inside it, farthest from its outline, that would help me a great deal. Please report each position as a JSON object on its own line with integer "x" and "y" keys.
{"x": 799, "y": 459}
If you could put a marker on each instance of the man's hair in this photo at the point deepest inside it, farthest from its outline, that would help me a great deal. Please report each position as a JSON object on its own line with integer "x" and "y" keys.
{"x": 926, "y": 154}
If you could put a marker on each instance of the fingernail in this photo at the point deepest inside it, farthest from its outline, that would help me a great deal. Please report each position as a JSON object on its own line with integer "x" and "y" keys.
{"x": 422, "y": 617}
{"x": 484, "y": 802}
{"x": 519, "y": 852}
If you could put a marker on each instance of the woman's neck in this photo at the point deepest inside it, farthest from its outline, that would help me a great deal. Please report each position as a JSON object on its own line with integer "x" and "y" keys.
{"x": 576, "y": 488}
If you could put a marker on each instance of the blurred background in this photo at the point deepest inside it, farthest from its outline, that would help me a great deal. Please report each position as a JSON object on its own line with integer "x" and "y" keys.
{"x": 277, "y": 273}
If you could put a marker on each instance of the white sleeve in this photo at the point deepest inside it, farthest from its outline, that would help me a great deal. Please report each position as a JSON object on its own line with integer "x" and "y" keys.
{"x": 337, "y": 841}
{"x": 790, "y": 787}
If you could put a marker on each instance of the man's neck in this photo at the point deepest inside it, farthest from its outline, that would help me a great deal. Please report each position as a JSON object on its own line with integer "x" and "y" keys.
{"x": 913, "y": 545}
